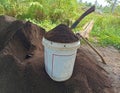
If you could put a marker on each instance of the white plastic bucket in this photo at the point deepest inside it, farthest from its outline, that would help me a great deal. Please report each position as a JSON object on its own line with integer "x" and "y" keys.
{"x": 59, "y": 59}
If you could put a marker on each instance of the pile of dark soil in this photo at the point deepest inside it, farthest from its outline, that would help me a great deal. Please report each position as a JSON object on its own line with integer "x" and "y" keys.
{"x": 21, "y": 39}
{"x": 25, "y": 74}
{"x": 11, "y": 79}
{"x": 62, "y": 34}
{"x": 5, "y": 21}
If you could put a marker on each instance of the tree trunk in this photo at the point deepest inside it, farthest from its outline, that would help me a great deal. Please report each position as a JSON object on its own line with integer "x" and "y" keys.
{"x": 114, "y": 5}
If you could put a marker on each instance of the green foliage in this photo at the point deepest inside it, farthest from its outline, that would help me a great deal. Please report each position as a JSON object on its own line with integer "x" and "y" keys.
{"x": 117, "y": 10}
{"x": 107, "y": 30}
{"x": 13, "y": 8}
{"x": 35, "y": 11}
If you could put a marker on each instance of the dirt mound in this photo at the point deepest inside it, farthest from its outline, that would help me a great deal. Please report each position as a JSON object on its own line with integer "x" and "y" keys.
{"x": 87, "y": 77}
{"x": 21, "y": 39}
{"x": 62, "y": 34}
{"x": 11, "y": 79}
{"x": 28, "y": 74}
{"x": 5, "y": 21}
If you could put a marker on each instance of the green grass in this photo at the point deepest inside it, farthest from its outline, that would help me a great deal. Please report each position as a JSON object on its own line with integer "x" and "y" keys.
{"x": 107, "y": 30}
{"x": 50, "y": 13}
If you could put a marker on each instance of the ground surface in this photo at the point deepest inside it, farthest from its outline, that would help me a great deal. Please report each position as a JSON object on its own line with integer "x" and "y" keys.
{"x": 112, "y": 58}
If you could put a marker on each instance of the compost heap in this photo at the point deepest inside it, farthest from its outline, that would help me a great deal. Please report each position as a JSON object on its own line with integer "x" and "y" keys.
{"x": 22, "y": 64}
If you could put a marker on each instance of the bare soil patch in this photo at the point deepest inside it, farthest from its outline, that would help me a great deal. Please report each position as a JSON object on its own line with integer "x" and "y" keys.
{"x": 112, "y": 58}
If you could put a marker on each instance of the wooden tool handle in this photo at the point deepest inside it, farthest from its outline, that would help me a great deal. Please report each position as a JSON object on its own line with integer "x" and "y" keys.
{"x": 90, "y": 10}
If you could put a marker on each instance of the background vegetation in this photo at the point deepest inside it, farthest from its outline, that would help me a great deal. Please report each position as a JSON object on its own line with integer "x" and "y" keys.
{"x": 49, "y": 13}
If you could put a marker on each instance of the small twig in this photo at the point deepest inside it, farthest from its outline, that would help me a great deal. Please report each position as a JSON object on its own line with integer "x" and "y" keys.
{"x": 80, "y": 36}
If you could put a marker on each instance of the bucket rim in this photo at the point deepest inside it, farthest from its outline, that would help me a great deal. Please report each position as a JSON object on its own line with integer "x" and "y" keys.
{"x": 61, "y": 43}
{"x": 61, "y": 46}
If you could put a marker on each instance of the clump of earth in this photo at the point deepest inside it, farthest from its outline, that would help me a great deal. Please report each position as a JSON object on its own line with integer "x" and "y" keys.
{"x": 62, "y": 34}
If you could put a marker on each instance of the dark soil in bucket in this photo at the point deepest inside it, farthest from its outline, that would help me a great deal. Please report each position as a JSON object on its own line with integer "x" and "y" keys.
{"x": 22, "y": 66}
{"x": 62, "y": 34}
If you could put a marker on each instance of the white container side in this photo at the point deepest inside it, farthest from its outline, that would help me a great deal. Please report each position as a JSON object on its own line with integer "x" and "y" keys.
{"x": 59, "y": 59}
